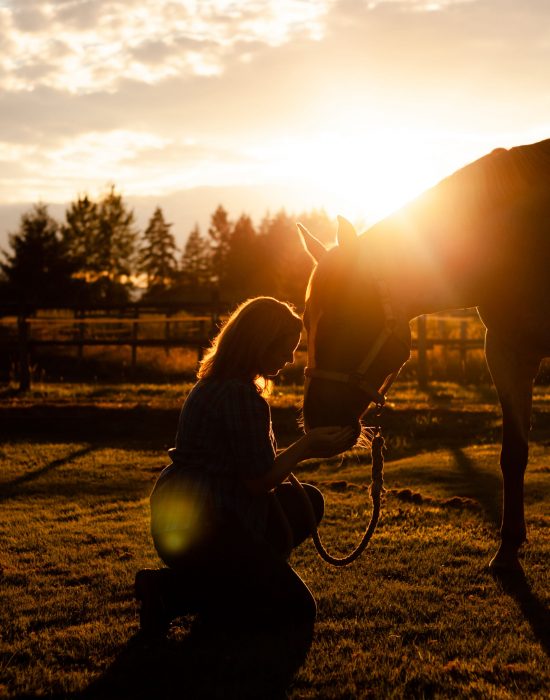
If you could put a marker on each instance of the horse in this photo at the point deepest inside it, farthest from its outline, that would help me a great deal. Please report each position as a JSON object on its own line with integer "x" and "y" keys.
{"x": 479, "y": 238}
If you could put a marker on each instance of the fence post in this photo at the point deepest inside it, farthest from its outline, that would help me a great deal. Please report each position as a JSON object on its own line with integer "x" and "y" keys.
{"x": 421, "y": 349}
{"x": 167, "y": 333}
{"x": 134, "y": 340}
{"x": 24, "y": 369}
{"x": 444, "y": 335}
{"x": 79, "y": 313}
{"x": 463, "y": 348}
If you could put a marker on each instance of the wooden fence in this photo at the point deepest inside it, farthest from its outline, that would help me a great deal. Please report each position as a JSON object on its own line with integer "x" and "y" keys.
{"x": 107, "y": 326}
{"x": 468, "y": 335}
{"x": 134, "y": 326}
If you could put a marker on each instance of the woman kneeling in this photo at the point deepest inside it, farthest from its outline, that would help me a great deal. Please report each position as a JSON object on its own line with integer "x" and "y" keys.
{"x": 223, "y": 517}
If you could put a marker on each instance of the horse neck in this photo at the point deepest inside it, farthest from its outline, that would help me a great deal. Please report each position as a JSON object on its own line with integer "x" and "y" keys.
{"x": 420, "y": 279}
{"x": 469, "y": 239}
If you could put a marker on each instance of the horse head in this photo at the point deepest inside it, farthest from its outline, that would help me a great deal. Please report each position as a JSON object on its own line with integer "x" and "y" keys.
{"x": 357, "y": 342}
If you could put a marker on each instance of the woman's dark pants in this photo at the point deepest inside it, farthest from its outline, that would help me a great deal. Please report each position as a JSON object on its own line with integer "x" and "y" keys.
{"x": 233, "y": 576}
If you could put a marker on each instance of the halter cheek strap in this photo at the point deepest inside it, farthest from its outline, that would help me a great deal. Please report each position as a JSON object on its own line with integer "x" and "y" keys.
{"x": 353, "y": 379}
{"x": 359, "y": 377}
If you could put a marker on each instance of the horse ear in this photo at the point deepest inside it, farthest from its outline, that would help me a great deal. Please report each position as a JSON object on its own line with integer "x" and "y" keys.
{"x": 347, "y": 235}
{"x": 313, "y": 246}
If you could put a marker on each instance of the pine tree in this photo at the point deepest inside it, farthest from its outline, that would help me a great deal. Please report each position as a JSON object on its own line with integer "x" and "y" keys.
{"x": 196, "y": 260}
{"x": 40, "y": 269}
{"x": 220, "y": 232}
{"x": 285, "y": 265}
{"x": 115, "y": 253}
{"x": 280, "y": 230}
{"x": 157, "y": 254}
{"x": 242, "y": 272}
{"x": 81, "y": 234}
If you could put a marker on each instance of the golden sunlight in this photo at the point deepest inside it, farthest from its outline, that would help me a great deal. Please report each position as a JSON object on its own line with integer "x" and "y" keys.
{"x": 380, "y": 175}
{"x": 364, "y": 176}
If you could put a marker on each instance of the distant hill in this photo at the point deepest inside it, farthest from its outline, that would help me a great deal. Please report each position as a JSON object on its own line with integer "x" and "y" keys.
{"x": 185, "y": 208}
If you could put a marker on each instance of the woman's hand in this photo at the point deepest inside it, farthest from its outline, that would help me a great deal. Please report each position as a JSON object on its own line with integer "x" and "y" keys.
{"x": 318, "y": 442}
{"x": 329, "y": 441}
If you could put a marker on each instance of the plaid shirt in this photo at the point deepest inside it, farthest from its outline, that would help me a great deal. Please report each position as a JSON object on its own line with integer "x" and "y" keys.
{"x": 224, "y": 437}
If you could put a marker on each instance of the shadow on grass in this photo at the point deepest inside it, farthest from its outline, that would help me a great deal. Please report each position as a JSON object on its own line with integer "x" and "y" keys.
{"x": 460, "y": 477}
{"x": 408, "y": 431}
{"x": 486, "y": 488}
{"x": 482, "y": 485}
{"x": 532, "y": 608}
{"x": 150, "y": 428}
{"x": 13, "y": 487}
{"x": 205, "y": 665}
{"x": 154, "y": 427}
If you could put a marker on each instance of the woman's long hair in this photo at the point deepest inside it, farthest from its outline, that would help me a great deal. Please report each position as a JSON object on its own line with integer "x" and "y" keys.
{"x": 246, "y": 338}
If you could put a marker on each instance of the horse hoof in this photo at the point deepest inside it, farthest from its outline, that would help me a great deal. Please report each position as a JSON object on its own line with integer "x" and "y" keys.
{"x": 505, "y": 562}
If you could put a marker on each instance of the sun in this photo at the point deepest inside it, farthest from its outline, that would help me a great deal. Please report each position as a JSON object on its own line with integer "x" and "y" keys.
{"x": 363, "y": 176}
{"x": 371, "y": 177}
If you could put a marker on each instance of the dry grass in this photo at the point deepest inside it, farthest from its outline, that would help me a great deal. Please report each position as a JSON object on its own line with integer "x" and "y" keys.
{"x": 418, "y": 616}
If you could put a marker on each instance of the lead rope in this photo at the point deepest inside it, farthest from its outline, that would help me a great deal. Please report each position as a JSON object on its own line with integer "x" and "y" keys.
{"x": 376, "y": 488}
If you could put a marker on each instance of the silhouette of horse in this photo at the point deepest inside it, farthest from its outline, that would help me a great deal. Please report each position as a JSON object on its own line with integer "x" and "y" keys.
{"x": 480, "y": 238}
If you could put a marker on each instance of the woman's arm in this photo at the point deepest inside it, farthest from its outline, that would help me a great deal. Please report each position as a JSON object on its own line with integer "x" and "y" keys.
{"x": 318, "y": 442}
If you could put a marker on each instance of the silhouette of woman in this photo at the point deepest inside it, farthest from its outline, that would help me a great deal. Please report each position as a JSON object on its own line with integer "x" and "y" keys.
{"x": 223, "y": 520}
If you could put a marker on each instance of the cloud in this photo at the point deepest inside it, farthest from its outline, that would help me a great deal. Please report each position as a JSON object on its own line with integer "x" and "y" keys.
{"x": 78, "y": 15}
{"x": 146, "y": 41}
{"x": 182, "y": 154}
{"x": 29, "y": 17}
{"x": 158, "y": 93}
{"x": 153, "y": 52}
{"x": 417, "y": 5}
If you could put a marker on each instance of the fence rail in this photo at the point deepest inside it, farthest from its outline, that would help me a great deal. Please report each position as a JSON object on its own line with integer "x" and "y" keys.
{"x": 107, "y": 326}
{"x": 123, "y": 327}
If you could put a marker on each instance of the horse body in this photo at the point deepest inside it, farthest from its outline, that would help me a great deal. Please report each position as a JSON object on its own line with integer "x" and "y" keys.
{"x": 480, "y": 238}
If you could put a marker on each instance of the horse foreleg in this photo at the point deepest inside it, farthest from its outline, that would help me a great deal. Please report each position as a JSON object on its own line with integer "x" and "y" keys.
{"x": 513, "y": 372}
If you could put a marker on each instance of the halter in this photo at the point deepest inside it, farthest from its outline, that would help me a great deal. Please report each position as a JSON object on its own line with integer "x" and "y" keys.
{"x": 359, "y": 377}
{"x": 359, "y": 380}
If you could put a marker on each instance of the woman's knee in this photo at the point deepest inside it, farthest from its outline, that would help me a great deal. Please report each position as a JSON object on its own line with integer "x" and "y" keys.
{"x": 292, "y": 597}
{"x": 317, "y": 501}
{"x": 308, "y": 605}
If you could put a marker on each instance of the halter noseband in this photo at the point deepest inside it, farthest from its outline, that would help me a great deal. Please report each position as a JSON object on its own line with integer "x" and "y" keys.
{"x": 359, "y": 377}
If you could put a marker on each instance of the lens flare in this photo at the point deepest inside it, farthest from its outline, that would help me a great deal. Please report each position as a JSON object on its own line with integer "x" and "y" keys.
{"x": 175, "y": 520}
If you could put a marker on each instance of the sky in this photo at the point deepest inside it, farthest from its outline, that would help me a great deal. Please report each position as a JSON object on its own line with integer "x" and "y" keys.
{"x": 352, "y": 105}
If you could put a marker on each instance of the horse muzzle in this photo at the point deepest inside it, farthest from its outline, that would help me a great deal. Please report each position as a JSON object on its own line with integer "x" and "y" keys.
{"x": 327, "y": 403}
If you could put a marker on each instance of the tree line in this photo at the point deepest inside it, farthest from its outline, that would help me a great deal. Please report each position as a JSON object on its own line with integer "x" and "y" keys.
{"x": 97, "y": 255}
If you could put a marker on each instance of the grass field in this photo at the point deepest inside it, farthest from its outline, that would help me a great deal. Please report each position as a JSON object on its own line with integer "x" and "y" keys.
{"x": 418, "y": 616}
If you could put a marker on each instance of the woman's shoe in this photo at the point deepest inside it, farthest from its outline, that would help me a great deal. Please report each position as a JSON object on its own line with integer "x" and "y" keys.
{"x": 154, "y": 619}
